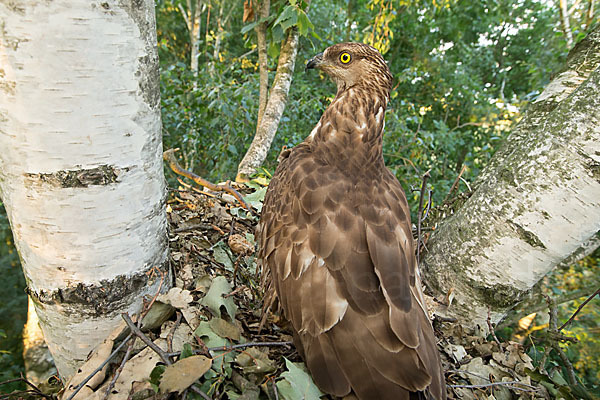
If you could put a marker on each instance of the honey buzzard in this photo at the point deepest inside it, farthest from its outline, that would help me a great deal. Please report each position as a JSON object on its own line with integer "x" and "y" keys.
{"x": 336, "y": 245}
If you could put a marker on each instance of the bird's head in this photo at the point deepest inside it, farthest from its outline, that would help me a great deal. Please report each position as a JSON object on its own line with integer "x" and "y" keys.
{"x": 353, "y": 64}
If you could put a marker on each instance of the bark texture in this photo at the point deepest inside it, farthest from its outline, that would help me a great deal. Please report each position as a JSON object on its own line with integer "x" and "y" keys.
{"x": 261, "y": 39}
{"x": 536, "y": 204}
{"x": 81, "y": 168}
{"x": 191, "y": 17}
{"x": 269, "y": 122}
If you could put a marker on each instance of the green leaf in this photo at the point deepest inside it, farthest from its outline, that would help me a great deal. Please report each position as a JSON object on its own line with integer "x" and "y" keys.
{"x": 155, "y": 376}
{"x": 287, "y": 13}
{"x": 214, "y": 298}
{"x": 249, "y": 27}
{"x": 222, "y": 255}
{"x": 277, "y": 35}
{"x": 257, "y": 196}
{"x": 186, "y": 351}
{"x": 304, "y": 23}
{"x": 297, "y": 384}
{"x": 211, "y": 339}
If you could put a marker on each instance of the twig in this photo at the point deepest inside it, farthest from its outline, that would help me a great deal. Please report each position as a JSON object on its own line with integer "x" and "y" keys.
{"x": 113, "y": 381}
{"x": 527, "y": 388}
{"x": 195, "y": 389}
{"x": 172, "y": 332}
{"x": 17, "y": 394}
{"x": 491, "y": 327}
{"x": 169, "y": 157}
{"x": 237, "y": 346}
{"x": 555, "y": 337}
{"x": 458, "y": 371}
{"x": 86, "y": 380}
{"x": 35, "y": 390}
{"x": 163, "y": 355}
{"x": 192, "y": 227}
{"x": 137, "y": 331}
{"x": 455, "y": 184}
{"x": 147, "y": 306}
{"x": 250, "y": 344}
{"x": 420, "y": 214}
{"x": 597, "y": 292}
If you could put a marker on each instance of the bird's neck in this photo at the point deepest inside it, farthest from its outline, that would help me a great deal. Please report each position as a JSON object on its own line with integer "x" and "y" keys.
{"x": 352, "y": 126}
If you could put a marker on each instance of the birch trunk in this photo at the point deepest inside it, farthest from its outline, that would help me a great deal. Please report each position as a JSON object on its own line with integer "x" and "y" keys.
{"x": 269, "y": 122}
{"x": 81, "y": 171}
{"x": 191, "y": 16}
{"x": 261, "y": 39}
{"x": 536, "y": 204}
{"x": 563, "y": 8}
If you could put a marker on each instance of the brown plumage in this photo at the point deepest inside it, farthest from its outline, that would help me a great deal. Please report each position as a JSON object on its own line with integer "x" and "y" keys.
{"x": 336, "y": 245}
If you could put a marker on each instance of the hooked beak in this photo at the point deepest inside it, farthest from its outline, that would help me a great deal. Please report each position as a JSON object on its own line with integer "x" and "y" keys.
{"x": 314, "y": 62}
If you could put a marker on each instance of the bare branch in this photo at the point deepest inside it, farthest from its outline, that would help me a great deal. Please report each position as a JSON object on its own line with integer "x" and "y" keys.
{"x": 597, "y": 292}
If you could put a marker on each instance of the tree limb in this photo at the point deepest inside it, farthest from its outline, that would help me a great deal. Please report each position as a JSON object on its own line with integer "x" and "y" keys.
{"x": 169, "y": 157}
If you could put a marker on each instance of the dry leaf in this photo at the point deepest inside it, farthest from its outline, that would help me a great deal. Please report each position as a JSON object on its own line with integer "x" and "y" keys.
{"x": 176, "y": 297}
{"x": 239, "y": 244}
{"x": 137, "y": 369}
{"x": 96, "y": 357}
{"x": 248, "y": 11}
{"x": 184, "y": 373}
{"x": 224, "y": 329}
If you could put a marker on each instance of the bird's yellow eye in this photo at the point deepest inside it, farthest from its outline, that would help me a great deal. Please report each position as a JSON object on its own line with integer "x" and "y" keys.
{"x": 345, "y": 58}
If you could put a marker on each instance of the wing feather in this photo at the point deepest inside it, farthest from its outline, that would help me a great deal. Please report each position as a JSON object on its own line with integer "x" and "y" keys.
{"x": 342, "y": 260}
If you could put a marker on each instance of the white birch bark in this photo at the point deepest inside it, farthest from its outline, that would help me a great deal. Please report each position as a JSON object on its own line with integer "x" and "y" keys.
{"x": 563, "y": 8}
{"x": 537, "y": 203}
{"x": 191, "y": 17}
{"x": 261, "y": 39}
{"x": 81, "y": 171}
{"x": 265, "y": 132}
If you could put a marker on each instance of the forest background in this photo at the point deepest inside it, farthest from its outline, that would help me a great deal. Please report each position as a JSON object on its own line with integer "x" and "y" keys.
{"x": 464, "y": 73}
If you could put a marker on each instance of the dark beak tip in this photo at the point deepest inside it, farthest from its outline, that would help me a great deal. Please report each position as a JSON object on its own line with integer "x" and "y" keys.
{"x": 314, "y": 62}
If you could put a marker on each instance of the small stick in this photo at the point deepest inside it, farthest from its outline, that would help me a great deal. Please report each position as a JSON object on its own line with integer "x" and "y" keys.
{"x": 172, "y": 332}
{"x": 120, "y": 369}
{"x": 455, "y": 184}
{"x": 35, "y": 390}
{"x": 597, "y": 292}
{"x": 163, "y": 356}
{"x": 137, "y": 331}
{"x": 169, "y": 157}
{"x": 492, "y": 331}
{"x": 420, "y": 215}
{"x": 86, "y": 380}
{"x": 458, "y": 371}
{"x": 486, "y": 385}
{"x": 553, "y": 330}
{"x": 237, "y": 346}
{"x": 192, "y": 227}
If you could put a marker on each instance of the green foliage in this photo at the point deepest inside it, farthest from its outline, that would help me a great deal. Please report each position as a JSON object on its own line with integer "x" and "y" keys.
{"x": 13, "y": 309}
{"x": 296, "y": 383}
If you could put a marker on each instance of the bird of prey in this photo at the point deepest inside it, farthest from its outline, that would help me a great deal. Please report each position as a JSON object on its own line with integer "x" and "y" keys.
{"x": 335, "y": 238}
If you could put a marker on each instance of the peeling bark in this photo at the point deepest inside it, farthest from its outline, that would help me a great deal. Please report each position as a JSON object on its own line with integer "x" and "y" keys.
{"x": 81, "y": 171}
{"x": 265, "y": 132}
{"x": 536, "y": 204}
